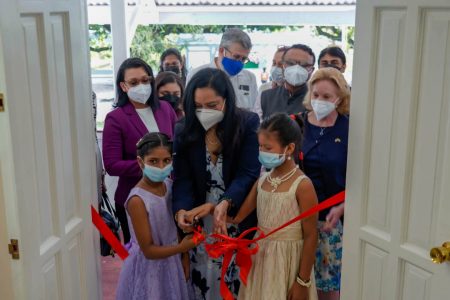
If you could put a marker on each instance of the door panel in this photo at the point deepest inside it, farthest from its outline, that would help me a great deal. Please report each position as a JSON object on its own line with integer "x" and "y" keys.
{"x": 51, "y": 135}
{"x": 399, "y": 170}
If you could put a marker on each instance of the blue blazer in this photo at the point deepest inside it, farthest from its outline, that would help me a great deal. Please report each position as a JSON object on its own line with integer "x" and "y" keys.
{"x": 325, "y": 158}
{"x": 241, "y": 169}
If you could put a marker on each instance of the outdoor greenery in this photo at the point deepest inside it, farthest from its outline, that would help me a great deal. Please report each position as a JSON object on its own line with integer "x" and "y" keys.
{"x": 151, "y": 40}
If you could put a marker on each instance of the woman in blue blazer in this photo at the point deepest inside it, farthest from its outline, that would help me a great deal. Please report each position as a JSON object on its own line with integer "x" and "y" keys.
{"x": 215, "y": 165}
{"x": 324, "y": 161}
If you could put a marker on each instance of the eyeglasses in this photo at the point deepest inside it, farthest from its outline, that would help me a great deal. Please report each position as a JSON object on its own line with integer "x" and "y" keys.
{"x": 135, "y": 82}
{"x": 290, "y": 63}
{"x": 238, "y": 57}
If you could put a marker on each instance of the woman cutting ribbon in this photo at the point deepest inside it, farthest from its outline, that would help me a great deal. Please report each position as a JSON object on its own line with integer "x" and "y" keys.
{"x": 215, "y": 166}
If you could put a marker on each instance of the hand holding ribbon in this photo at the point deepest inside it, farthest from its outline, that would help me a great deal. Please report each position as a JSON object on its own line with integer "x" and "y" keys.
{"x": 226, "y": 246}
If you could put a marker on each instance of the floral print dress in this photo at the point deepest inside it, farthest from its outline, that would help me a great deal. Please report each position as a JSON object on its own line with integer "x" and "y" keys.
{"x": 205, "y": 271}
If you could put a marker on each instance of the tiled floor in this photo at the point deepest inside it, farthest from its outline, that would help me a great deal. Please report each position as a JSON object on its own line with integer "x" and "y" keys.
{"x": 110, "y": 265}
{"x": 110, "y": 275}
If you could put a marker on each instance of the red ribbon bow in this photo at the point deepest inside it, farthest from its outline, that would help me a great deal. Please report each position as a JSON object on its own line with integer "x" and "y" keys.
{"x": 226, "y": 246}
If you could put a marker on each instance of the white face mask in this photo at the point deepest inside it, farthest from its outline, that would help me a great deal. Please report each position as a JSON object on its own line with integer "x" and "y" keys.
{"x": 277, "y": 74}
{"x": 209, "y": 117}
{"x": 322, "y": 108}
{"x": 296, "y": 75}
{"x": 140, "y": 93}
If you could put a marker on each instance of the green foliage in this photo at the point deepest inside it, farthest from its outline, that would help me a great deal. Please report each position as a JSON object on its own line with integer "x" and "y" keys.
{"x": 100, "y": 40}
{"x": 335, "y": 33}
{"x": 150, "y": 41}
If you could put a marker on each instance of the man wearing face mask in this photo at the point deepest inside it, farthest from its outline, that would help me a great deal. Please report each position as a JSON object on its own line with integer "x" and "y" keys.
{"x": 234, "y": 49}
{"x": 332, "y": 57}
{"x": 276, "y": 75}
{"x": 298, "y": 65}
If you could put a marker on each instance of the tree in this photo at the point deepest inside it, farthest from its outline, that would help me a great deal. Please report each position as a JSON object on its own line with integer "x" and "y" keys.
{"x": 150, "y": 41}
{"x": 100, "y": 40}
{"x": 335, "y": 33}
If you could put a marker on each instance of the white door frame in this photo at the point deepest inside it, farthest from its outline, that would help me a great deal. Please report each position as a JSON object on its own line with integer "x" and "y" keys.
{"x": 47, "y": 164}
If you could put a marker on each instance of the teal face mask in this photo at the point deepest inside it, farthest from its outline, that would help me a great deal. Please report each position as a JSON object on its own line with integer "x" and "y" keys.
{"x": 156, "y": 174}
{"x": 271, "y": 160}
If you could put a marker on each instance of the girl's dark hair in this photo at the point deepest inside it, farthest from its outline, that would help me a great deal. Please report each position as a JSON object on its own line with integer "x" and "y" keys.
{"x": 175, "y": 52}
{"x": 228, "y": 130}
{"x": 164, "y": 78}
{"x": 288, "y": 130}
{"x": 133, "y": 63}
{"x": 151, "y": 141}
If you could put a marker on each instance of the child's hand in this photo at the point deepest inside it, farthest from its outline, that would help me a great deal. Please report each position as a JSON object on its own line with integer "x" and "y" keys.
{"x": 231, "y": 220}
{"x": 298, "y": 292}
{"x": 182, "y": 221}
{"x": 186, "y": 263}
{"x": 187, "y": 243}
{"x": 333, "y": 217}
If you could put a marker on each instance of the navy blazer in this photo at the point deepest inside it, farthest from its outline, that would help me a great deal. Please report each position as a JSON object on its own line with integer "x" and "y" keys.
{"x": 241, "y": 169}
{"x": 325, "y": 158}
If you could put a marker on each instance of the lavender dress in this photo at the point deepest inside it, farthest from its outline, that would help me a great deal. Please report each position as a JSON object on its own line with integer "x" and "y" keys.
{"x": 146, "y": 279}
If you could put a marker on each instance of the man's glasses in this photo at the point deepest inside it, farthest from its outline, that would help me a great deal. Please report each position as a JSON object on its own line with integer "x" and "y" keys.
{"x": 290, "y": 63}
{"x": 238, "y": 57}
{"x": 135, "y": 82}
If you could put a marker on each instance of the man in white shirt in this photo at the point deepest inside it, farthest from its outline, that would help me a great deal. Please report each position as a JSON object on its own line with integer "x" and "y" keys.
{"x": 234, "y": 49}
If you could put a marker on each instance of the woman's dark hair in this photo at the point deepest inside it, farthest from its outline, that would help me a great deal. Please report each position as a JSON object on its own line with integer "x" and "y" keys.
{"x": 228, "y": 130}
{"x": 133, "y": 63}
{"x": 151, "y": 141}
{"x": 333, "y": 51}
{"x": 164, "y": 78}
{"x": 175, "y": 52}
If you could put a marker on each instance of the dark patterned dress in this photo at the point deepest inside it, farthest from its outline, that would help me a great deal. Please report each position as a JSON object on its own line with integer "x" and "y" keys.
{"x": 205, "y": 271}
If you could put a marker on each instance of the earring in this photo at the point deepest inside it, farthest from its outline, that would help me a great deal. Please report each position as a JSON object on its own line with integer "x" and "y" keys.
{"x": 289, "y": 158}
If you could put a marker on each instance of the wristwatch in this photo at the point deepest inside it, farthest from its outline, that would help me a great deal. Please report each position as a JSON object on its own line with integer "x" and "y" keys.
{"x": 303, "y": 283}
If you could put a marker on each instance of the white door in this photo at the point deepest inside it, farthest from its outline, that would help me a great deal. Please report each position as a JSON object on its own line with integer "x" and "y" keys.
{"x": 398, "y": 183}
{"x": 47, "y": 160}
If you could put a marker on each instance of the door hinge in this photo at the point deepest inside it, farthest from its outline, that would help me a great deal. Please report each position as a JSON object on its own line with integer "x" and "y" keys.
{"x": 2, "y": 105}
{"x": 14, "y": 249}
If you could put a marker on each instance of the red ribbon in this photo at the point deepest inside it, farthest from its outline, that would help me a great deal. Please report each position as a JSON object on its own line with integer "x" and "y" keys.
{"x": 109, "y": 236}
{"x": 245, "y": 248}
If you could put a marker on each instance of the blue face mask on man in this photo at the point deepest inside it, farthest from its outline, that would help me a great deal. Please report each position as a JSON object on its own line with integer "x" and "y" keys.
{"x": 232, "y": 66}
{"x": 156, "y": 174}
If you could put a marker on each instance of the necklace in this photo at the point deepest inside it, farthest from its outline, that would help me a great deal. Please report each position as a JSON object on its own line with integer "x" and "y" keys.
{"x": 322, "y": 129}
{"x": 275, "y": 182}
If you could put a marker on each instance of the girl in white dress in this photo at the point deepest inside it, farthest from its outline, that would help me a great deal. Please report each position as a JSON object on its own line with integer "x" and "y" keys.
{"x": 283, "y": 267}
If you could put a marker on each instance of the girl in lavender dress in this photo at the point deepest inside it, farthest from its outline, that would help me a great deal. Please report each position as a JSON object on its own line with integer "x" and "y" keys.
{"x": 153, "y": 269}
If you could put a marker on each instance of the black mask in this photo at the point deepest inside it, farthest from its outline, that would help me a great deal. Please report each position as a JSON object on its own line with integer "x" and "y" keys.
{"x": 172, "y": 99}
{"x": 174, "y": 69}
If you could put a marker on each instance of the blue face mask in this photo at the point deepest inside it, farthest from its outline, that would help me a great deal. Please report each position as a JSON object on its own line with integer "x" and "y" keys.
{"x": 233, "y": 67}
{"x": 271, "y": 160}
{"x": 156, "y": 174}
